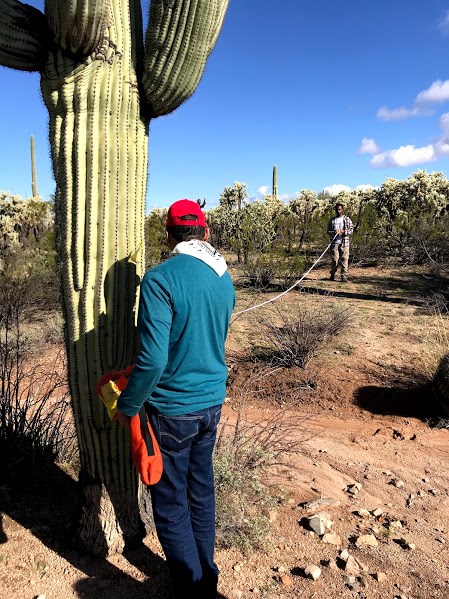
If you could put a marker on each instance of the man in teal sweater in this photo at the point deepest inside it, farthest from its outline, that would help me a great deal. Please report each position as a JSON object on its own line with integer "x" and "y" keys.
{"x": 180, "y": 376}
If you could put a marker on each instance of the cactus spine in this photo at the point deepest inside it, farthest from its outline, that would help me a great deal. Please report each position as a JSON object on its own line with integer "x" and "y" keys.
{"x": 102, "y": 84}
{"x": 275, "y": 182}
{"x": 34, "y": 191}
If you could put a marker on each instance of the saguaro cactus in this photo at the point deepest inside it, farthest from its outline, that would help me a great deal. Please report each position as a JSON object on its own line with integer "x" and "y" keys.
{"x": 275, "y": 182}
{"x": 102, "y": 83}
{"x": 34, "y": 191}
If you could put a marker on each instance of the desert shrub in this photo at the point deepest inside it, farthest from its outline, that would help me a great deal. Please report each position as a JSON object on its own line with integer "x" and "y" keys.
{"x": 258, "y": 272}
{"x": 35, "y": 416}
{"x": 156, "y": 249}
{"x": 436, "y": 336}
{"x": 246, "y": 454}
{"x": 297, "y": 339}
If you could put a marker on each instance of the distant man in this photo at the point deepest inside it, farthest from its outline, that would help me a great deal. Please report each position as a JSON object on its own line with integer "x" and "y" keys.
{"x": 340, "y": 227}
{"x": 180, "y": 376}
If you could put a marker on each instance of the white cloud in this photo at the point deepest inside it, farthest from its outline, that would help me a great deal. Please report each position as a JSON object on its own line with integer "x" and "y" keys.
{"x": 368, "y": 146}
{"x": 263, "y": 190}
{"x": 404, "y": 156}
{"x": 444, "y": 122}
{"x": 397, "y": 114}
{"x": 443, "y": 22}
{"x": 335, "y": 189}
{"x": 437, "y": 92}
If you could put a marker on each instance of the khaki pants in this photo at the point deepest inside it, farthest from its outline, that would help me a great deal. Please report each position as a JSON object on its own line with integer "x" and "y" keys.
{"x": 340, "y": 255}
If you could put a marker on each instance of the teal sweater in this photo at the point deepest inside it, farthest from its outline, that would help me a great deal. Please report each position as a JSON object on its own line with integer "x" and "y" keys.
{"x": 184, "y": 314}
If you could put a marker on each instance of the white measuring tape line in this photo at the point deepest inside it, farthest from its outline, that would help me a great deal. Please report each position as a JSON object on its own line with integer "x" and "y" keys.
{"x": 287, "y": 290}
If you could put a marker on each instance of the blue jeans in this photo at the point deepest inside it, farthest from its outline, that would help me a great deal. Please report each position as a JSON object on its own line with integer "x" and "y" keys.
{"x": 184, "y": 499}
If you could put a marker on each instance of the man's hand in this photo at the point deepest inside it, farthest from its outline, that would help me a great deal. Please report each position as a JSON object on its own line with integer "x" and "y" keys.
{"x": 122, "y": 419}
{"x": 340, "y": 231}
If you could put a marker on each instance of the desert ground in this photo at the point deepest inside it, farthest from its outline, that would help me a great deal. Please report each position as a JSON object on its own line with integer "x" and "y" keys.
{"x": 372, "y": 461}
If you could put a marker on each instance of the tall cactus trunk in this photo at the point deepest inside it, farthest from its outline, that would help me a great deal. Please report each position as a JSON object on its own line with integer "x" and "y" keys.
{"x": 101, "y": 85}
{"x": 34, "y": 191}
{"x": 99, "y": 150}
{"x": 275, "y": 182}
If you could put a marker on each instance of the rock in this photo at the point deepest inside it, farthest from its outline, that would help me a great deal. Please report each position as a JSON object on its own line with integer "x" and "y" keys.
{"x": 410, "y": 499}
{"x": 41, "y": 597}
{"x": 366, "y": 540}
{"x": 272, "y": 515}
{"x": 421, "y": 493}
{"x": 405, "y": 544}
{"x": 395, "y": 524}
{"x": 331, "y": 538}
{"x": 317, "y": 504}
{"x": 313, "y": 571}
{"x": 433, "y": 492}
{"x": 237, "y": 567}
{"x": 380, "y": 576}
{"x": 354, "y": 489}
{"x": 280, "y": 569}
{"x": 316, "y": 523}
{"x": 362, "y": 513}
{"x": 352, "y": 567}
{"x": 287, "y": 580}
{"x": 377, "y": 512}
{"x": 349, "y": 579}
{"x": 398, "y": 483}
{"x": 344, "y": 555}
{"x": 255, "y": 590}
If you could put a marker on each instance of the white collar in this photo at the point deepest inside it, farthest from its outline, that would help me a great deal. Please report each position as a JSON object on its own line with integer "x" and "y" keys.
{"x": 203, "y": 251}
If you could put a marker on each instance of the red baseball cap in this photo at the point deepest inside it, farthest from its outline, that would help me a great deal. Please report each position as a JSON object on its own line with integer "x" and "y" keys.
{"x": 182, "y": 208}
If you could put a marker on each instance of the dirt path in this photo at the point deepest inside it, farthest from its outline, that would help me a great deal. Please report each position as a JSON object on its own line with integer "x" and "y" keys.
{"x": 360, "y": 408}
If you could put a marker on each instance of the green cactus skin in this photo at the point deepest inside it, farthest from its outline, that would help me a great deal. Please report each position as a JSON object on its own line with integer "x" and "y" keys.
{"x": 34, "y": 191}
{"x": 101, "y": 85}
{"x": 275, "y": 182}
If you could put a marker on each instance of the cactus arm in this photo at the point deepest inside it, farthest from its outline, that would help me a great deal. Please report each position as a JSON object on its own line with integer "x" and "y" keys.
{"x": 23, "y": 36}
{"x": 78, "y": 26}
{"x": 180, "y": 37}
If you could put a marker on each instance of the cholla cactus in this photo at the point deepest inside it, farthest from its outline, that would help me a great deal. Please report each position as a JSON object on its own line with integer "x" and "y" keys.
{"x": 102, "y": 83}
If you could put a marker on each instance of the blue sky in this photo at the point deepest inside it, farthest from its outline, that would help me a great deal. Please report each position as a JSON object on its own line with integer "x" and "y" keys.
{"x": 334, "y": 93}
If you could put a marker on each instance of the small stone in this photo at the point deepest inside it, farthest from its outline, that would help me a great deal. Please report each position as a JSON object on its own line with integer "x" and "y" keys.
{"x": 41, "y": 597}
{"x": 366, "y": 540}
{"x": 410, "y": 499}
{"x": 237, "y": 567}
{"x": 313, "y": 572}
{"x": 362, "y": 513}
{"x": 377, "y": 512}
{"x": 380, "y": 576}
{"x": 398, "y": 483}
{"x": 433, "y": 492}
{"x": 441, "y": 540}
{"x": 395, "y": 524}
{"x": 291, "y": 501}
{"x": 316, "y": 523}
{"x": 281, "y": 569}
{"x": 344, "y": 554}
{"x": 421, "y": 493}
{"x": 349, "y": 579}
{"x": 425, "y": 480}
{"x": 352, "y": 567}
{"x": 287, "y": 580}
{"x": 331, "y": 538}
{"x": 255, "y": 590}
